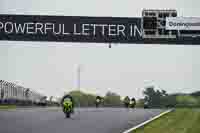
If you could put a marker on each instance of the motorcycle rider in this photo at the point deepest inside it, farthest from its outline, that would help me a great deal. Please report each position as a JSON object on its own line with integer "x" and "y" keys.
{"x": 67, "y": 103}
{"x": 98, "y": 101}
{"x": 68, "y": 100}
{"x": 132, "y": 103}
{"x": 126, "y": 101}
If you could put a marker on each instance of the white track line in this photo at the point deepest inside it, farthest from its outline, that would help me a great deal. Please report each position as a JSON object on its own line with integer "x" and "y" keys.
{"x": 144, "y": 123}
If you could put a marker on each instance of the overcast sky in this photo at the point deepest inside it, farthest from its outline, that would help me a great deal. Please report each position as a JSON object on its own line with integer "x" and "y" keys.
{"x": 50, "y": 68}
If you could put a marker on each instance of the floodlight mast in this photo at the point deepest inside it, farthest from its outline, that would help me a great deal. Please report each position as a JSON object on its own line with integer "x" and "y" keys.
{"x": 79, "y": 82}
{"x": 109, "y": 45}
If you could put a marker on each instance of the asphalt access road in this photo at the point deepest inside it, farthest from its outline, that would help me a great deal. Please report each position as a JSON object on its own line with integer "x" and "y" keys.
{"x": 84, "y": 120}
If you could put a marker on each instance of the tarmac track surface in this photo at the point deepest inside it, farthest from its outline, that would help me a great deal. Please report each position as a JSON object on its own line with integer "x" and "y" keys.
{"x": 84, "y": 120}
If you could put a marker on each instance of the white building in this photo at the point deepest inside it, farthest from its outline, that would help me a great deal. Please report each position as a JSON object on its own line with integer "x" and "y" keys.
{"x": 10, "y": 90}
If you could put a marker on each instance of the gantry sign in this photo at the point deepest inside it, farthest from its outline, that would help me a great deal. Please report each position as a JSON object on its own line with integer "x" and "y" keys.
{"x": 154, "y": 27}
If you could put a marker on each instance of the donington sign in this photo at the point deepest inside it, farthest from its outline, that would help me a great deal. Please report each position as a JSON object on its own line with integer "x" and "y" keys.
{"x": 182, "y": 23}
{"x": 69, "y": 28}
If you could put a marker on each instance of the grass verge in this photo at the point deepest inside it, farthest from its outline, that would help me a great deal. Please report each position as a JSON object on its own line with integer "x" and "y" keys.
{"x": 178, "y": 121}
{"x": 7, "y": 107}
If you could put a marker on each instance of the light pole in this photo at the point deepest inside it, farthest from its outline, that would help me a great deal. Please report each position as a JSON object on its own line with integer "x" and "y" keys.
{"x": 109, "y": 45}
{"x": 79, "y": 77}
{"x": 1, "y": 90}
{"x": 79, "y": 83}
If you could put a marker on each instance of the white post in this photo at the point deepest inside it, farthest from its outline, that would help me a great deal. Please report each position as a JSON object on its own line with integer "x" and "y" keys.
{"x": 7, "y": 91}
{"x": 1, "y": 82}
{"x": 79, "y": 82}
{"x": 79, "y": 77}
{"x": 3, "y": 90}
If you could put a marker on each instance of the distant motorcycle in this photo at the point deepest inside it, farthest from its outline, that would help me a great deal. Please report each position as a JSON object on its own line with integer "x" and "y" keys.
{"x": 146, "y": 105}
{"x": 98, "y": 101}
{"x": 132, "y": 103}
{"x": 126, "y": 102}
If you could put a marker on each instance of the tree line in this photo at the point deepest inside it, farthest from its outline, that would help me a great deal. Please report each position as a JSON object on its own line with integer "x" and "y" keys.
{"x": 88, "y": 100}
{"x": 154, "y": 98}
{"x": 160, "y": 98}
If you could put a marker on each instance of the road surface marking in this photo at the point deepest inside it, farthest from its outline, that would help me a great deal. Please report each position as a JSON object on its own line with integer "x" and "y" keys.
{"x": 144, "y": 123}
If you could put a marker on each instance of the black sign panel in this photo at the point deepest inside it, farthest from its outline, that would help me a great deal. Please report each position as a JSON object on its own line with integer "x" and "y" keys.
{"x": 82, "y": 29}
{"x": 69, "y": 28}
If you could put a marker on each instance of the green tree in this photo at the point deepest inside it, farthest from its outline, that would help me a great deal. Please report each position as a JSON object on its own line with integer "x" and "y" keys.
{"x": 157, "y": 98}
{"x": 195, "y": 94}
{"x": 91, "y": 99}
{"x": 112, "y": 99}
{"x": 168, "y": 101}
{"x": 83, "y": 99}
{"x": 151, "y": 96}
{"x": 79, "y": 98}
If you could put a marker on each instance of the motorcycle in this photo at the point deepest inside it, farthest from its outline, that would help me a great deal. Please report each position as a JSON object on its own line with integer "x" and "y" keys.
{"x": 132, "y": 103}
{"x": 97, "y": 103}
{"x": 67, "y": 107}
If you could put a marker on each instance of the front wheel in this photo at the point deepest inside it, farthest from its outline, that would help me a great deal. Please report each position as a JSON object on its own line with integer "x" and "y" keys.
{"x": 67, "y": 115}
{"x": 97, "y": 105}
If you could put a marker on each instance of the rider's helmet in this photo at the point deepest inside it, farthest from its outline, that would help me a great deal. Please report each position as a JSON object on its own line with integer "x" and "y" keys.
{"x": 67, "y": 99}
{"x": 98, "y": 100}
